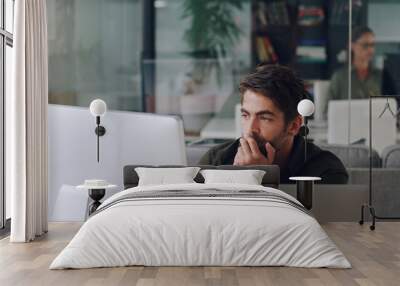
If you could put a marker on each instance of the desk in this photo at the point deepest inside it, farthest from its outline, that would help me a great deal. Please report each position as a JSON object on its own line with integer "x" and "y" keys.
{"x": 319, "y": 132}
{"x": 225, "y": 128}
{"x": 220, "y": 128}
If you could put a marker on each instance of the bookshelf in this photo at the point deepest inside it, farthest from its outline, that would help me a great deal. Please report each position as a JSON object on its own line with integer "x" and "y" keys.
{"x": 272, "y": 34}
{"x": 304, "y": 34}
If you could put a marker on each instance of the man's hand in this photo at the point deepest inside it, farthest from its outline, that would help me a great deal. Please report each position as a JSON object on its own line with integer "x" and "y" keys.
{"x": 249, "y": 154}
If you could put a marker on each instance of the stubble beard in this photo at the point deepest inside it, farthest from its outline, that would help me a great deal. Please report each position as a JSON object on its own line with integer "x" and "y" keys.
{"x": 277, "y": 142}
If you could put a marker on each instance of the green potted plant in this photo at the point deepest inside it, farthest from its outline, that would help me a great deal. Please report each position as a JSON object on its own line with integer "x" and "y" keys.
{"x": 211, "y": 34}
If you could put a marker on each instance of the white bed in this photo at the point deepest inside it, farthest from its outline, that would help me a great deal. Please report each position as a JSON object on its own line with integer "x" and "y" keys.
{"x": 206, "y": 230}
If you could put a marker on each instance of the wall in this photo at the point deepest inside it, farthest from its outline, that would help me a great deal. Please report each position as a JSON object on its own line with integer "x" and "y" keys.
{"x": 131, "y": 138}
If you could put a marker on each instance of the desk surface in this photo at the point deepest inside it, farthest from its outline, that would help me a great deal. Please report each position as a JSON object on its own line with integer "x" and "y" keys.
{"x": 219, "y": 128}
{"x": 225, "y": 128}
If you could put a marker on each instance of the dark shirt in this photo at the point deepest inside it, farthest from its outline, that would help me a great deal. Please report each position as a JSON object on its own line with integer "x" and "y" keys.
{"x": 360, "y": 88}
{"x": 319, "y": 163}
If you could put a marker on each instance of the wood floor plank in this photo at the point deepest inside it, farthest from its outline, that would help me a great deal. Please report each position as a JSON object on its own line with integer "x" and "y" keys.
{"x": 374, "y": 255}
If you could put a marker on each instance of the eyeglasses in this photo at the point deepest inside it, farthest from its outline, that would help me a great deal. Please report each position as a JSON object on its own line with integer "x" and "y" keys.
{"x": 366, "y": 45}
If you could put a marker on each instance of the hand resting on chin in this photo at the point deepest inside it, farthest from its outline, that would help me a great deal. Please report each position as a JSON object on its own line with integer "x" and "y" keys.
{"x": 248, "y": 153}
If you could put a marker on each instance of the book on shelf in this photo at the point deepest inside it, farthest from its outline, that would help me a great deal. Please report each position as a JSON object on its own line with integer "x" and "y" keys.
{"x": 261, "y": 51}
{"x": 311, "y": 54}
{"x": 262, "y": 18}
{"x": 310, "y": 15}
{"x": 265, "y": 50}
{"x": 272, "y": 13}
{"x": 313, "y": 42}
{"x": 270, "y": 49}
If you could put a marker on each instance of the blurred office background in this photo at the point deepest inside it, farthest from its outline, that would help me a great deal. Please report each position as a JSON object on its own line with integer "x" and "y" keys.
{"x": 186, "y": 57}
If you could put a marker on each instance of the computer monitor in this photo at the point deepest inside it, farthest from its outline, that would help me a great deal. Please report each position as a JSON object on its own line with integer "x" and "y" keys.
{"x": 391, "y": 75}
{"x": 384, "y": 130}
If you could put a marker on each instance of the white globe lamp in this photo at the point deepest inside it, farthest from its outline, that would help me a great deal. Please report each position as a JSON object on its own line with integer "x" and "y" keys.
{"x": 305, "y": 108}
{"x": 98, "y": 108}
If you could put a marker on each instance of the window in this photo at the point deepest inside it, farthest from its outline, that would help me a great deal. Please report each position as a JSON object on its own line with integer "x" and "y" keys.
{"x": 6, "y": 64}
{"x": 97, "y": 44}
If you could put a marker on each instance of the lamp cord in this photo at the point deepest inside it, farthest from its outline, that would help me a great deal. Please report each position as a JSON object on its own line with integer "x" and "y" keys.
{"x": 98, "y": 141}
{"x": 305, "y": 139}
{"x": 98, "y": 145}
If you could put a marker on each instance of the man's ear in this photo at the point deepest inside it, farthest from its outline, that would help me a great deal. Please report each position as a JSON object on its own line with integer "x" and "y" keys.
{"x": 295, "y": 125}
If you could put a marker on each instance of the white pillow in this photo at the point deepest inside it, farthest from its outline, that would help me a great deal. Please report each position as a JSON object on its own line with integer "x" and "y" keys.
{"x": 163, "y": 176}
{"x": 248, "y": 177}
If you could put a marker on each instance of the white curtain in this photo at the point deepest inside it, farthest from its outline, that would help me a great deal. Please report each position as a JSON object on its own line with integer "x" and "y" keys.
{"x": 26, "y": 123}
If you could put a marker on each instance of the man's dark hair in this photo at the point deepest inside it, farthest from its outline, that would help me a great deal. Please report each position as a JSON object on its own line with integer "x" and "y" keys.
{"x": 278, "y": 83}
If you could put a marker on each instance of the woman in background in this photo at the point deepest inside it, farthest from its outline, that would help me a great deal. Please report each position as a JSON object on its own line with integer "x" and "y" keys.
{"x": 365, "y": 79}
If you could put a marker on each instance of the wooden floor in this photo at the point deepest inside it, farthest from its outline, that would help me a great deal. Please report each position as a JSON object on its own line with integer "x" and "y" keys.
{"x": 375, "y": 257}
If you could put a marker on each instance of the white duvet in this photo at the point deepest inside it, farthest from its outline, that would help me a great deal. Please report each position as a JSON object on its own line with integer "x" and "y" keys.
{"x": 200, "y": 231}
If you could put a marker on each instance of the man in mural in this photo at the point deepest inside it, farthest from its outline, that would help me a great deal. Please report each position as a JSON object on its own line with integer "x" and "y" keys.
{"x": 270, "y": 124}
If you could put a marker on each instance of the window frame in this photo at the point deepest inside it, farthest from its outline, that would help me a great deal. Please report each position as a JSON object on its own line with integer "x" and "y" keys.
{"x": 6, "y": 39}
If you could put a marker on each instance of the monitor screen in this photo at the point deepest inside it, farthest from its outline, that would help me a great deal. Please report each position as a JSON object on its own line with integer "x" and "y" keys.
{"x": 391, "y": 75}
